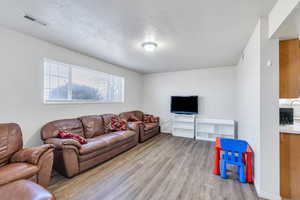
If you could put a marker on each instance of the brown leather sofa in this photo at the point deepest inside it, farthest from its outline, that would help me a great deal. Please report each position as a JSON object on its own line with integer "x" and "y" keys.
{"x": 146, "y": 130}
{"x": 71, "y": 157}
{"x": 18, "y": 163}
{"x": 24, "y": 190}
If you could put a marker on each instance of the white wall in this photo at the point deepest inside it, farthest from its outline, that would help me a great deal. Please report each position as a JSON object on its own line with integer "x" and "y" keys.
{"x": 258, "y": 107}
{"x": 269, "y": 97}
{"x": 248, "y": 98}
{"x": 279, "y": 13}
{"x": 214, "y": 86}
{"x": 21, "y": 84}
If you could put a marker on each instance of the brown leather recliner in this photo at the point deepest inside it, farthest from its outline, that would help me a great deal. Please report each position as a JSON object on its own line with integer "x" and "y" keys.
{"x": 146, "y": 130}
{"x": 71, "y": 157}
{"x": 24, "y": 190}
{"x": 17, "y": 163}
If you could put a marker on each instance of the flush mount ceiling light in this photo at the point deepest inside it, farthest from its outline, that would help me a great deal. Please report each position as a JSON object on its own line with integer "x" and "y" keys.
{"x": 149, "y": 46}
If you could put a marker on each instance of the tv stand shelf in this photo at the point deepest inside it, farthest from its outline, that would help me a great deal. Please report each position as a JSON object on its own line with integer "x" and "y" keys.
{"x": 183, "y": 125}
{"x": 191, "y": 126}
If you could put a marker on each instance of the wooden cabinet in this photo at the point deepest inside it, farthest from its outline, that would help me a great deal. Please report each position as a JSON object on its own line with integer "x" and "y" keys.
{"x": 290, "y": 165}
{"x": 289, "y": 68}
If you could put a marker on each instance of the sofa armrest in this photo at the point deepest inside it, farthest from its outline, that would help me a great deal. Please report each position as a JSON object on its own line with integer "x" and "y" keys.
{"x": 134, "y": 126}
{"x": 137, "y": 124}
{"x": 61, "y": 143}
{"x": 31, "y": 155}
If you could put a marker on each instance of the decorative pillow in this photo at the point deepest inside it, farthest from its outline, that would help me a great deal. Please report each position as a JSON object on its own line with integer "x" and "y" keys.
{"x": 149, "y": 119}
{"x": 117, "y": 124}
{"x": 68, "y": 135}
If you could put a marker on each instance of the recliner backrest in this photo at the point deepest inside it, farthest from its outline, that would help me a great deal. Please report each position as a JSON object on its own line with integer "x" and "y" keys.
{"x": 10, "y": 141}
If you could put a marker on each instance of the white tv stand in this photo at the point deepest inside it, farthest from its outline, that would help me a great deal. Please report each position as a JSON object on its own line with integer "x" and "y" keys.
{"x": 191, "y": 126}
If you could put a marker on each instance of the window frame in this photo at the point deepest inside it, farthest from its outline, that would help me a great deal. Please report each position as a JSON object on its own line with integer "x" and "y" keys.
{"x": 77, "y": 101}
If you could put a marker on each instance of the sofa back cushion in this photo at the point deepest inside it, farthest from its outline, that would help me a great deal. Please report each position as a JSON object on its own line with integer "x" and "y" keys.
{"x": 51, "y": 129}
{"x": 132, "y": 115}
{"x": 10, "y": 141}
{"x": 107, "y": 121}
{"x": 93, "y": 125}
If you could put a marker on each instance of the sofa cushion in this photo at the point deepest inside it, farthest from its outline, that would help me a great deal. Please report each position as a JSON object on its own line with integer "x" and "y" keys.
{"x": 116, "y": 141}
{"x": 106, "y": 121}
{"x": 105, "y": 141}
{"x": 93, "y": 144}
{"x": 93, "y": 125}
{"x": 51, "y": 129}
{"x": 17, "y": 171}
{"x": 149, "y": 126}
{"x": 125, "y": 134}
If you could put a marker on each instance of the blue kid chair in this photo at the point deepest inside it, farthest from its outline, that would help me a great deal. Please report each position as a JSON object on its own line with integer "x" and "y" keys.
{"x": 233, "y": 154}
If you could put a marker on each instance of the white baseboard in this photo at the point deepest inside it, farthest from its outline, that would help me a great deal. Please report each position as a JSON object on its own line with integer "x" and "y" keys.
{"x": 266, "y": 195}
{"x": 269, "y": 196}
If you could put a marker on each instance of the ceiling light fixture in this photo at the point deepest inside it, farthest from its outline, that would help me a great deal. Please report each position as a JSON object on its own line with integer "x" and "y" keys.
{"x": 149, "y": 46}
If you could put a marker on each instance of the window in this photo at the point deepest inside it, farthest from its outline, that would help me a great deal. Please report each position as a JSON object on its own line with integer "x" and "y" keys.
{"x": 69, "y": 83}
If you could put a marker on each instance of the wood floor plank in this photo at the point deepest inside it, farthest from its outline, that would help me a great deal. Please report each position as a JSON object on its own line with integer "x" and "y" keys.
{"x": 164, "y": 167}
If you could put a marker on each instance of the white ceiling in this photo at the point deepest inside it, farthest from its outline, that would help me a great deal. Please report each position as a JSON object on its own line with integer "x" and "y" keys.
{"x": 190, "y": 34}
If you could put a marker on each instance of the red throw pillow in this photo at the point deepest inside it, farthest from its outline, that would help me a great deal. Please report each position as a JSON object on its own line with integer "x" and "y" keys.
{"x": 149, "y": 119}
{"x": 68, "y": 135}
{"x": 117, "y": 124}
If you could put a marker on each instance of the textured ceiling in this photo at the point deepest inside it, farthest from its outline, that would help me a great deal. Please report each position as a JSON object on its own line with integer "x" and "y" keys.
{"x": 190, "y": 34}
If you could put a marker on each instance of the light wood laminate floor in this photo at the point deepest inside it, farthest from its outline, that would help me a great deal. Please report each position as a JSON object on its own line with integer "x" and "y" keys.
{"x": 164, "y": 167}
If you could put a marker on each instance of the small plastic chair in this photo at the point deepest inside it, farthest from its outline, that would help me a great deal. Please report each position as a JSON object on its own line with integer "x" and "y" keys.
{"x": 233, "y": 151}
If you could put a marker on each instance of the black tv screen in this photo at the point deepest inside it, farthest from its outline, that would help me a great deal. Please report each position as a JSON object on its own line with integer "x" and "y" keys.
{"x": 184, "y": 104}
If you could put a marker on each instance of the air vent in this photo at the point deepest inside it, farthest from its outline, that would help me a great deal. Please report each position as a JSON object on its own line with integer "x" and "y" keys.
{"x": 32, "y": 19}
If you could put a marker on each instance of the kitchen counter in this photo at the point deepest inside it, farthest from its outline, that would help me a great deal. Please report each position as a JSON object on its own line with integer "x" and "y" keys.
{"x": 294, "y": 129}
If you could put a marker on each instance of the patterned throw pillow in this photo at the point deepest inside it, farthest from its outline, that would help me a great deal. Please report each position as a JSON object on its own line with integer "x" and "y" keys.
{"x": 117, "y": 124}
{"x": 149, "y": 119}
{"x": 68, "y": 135}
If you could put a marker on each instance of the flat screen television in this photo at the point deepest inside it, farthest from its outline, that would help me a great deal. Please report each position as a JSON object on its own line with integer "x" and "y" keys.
{"x": 184, "y": 104}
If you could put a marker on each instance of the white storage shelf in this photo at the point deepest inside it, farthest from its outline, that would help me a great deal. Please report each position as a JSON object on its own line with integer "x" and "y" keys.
{"x": 202, "y": 129}
{"x": 183, "y": 120}
{"x": 209, "y": 129}
{"x": 183, "y": 126}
